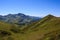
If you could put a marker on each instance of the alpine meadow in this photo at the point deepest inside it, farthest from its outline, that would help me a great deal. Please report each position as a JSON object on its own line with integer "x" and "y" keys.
{"x": 29, "y": 19}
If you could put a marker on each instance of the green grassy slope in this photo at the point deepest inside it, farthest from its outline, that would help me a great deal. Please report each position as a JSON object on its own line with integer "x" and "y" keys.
{"x": 47, "y": 28}
{"x": 46, "y": 25}
{"x": 8, "y": 31}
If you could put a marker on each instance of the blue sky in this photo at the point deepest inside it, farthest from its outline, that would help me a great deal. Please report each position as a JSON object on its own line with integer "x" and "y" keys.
{"x": 38, "y": 8}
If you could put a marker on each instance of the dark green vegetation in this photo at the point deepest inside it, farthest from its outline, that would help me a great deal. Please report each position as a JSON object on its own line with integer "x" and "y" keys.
{"x": 48, "y": 28}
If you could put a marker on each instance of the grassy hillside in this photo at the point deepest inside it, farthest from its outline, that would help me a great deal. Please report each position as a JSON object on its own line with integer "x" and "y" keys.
{"x": 44, "y": 26}
{"x": 47, "y": 28}
{"x": 8, "y": 31}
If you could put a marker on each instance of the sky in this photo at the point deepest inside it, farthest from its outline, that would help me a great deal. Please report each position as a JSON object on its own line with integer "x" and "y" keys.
{"x": 39, "y": 8}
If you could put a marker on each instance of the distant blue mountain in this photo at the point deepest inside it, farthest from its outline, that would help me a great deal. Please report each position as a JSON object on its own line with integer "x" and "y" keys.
{"x": 19, "y": 18}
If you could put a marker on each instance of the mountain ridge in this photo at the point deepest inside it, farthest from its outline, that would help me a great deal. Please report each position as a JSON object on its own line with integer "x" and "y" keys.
{"x": 18, "y": 18}
{"x": 49, "y": 16}
{"x": 47, "y": 28}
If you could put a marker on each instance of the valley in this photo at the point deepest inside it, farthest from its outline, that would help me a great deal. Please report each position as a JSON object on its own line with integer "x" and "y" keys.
{"x": 46, "y": 28}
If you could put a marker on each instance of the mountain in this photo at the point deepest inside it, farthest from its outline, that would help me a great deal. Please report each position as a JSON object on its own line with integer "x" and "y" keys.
{"x": 19, "y": 19}
{"x": 47, "y": 28}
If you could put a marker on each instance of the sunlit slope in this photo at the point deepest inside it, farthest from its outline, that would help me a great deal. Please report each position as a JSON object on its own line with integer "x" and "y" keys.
{"x": 48, "y": 28}
{"x": 4, "y": 30}
{"x": 54, "y": 35}
{"x": 8, "y": 31}
{"x": 48, "y": 20}
{"x": 39, "y": 29}
{"x": 4, "y": 26}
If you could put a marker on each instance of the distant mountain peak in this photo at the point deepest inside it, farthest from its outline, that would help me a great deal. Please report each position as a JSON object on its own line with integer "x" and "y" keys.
{"x": 18, "y": 18}
{"x": 49, "y": 16}
{"x": 20, "y": 14}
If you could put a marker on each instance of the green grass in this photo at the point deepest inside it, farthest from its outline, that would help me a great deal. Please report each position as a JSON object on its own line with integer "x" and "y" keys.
{"x": 48, "y": 28}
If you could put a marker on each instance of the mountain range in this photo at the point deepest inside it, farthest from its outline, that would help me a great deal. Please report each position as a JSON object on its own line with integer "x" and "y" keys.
{"x": 20, "y": 19}
{"x": 46, "y": 28}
